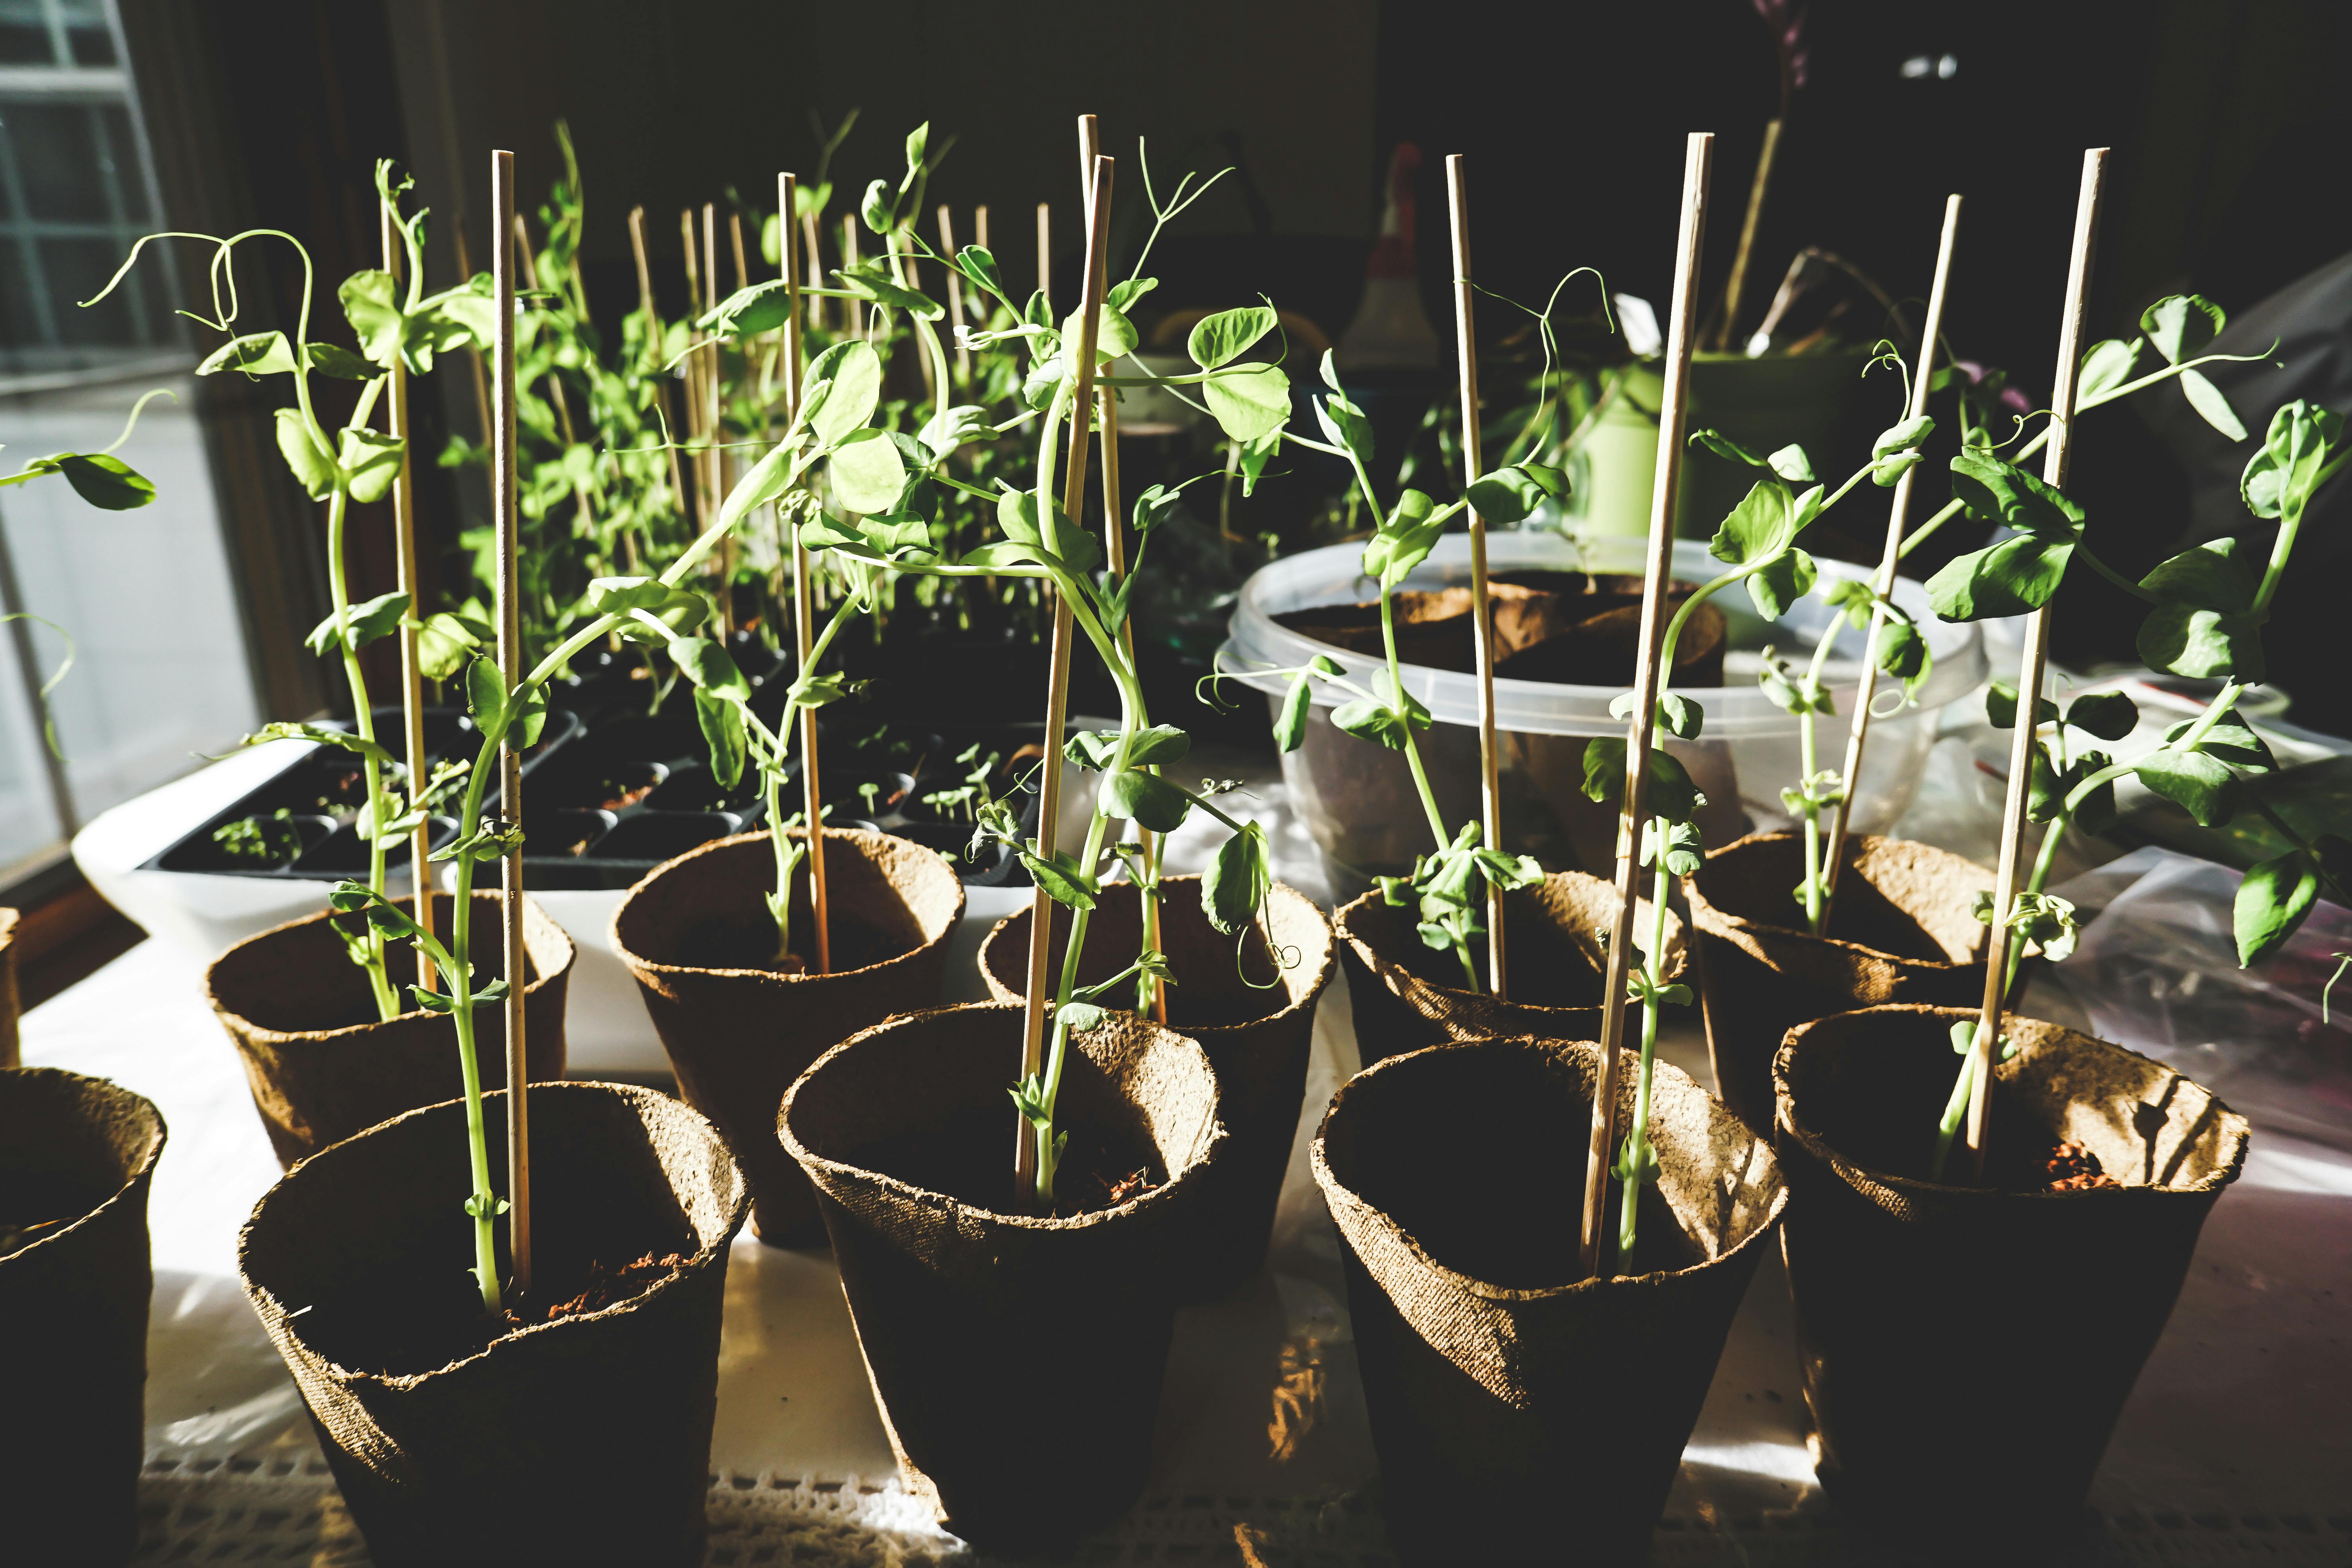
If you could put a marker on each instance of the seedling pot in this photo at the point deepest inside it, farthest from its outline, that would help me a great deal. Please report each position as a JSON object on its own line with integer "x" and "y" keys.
{"x": 1942, "y": 1378}
{"x": 1903, "y": 929}
{"x": 692, "y": 933}
{"x": 1492, "y": 1373}
{"x": 1406, "y": 995}
{"x": 1018, "y": 1358}
{"x": 321, "y": 1064}
{"x": 78, "y": 1151}
{"x": 583, "y": 1439}
{"x": 1257, "y": 1041}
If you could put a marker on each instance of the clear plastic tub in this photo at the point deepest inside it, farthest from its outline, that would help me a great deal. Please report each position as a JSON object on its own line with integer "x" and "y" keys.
{"x": 1357, "y": 798}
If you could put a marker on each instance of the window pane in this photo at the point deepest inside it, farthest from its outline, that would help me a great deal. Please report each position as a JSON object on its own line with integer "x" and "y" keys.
{"x": 79, "y": 268}
{"x": 58, "y": 161}
{"x": 25, "y": 34}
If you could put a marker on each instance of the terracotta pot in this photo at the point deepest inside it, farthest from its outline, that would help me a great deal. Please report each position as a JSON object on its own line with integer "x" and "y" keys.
{"x": 1258, "y": 1041}
{"x": 9, "y": 1054}
{"x": 1516, "y": 1407}
{"x": 1406, "y": 995}
{"x": 1902, "y": 930}
{"x": 582, "y": 1439}
{"x": 73, "y": 1313}
{"x": 323, "y": 1067}
{"x": 1017, "y": 1360}
{"x": 738, "y": 1035}
{"x": 1966, "y": 1352}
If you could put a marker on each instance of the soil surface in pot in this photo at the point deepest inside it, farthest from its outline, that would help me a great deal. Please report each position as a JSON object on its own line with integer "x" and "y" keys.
{"x": 1861, "y": 914}
{"x": 968, "y": 1158}
{"x": 1206, "y": 990}
{"x": 724, "y": 943}
{"x": 352, "y": 1002}
{"x": 35, "y": 1204}
{"x": 1546, "y": 969}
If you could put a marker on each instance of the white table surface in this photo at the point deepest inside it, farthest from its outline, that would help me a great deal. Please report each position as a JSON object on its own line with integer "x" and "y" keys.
{"x": 2235, "y": 1446}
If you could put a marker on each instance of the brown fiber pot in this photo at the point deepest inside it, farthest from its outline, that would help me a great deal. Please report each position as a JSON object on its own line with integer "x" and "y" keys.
{"x": 1406, "y": 995}
{"x": 1513, "y": 1410}
{"x": 1903, "y": 929}
{"x": 1966, "y": 1352}
{"x": 586, "y": 1440}
{"x": 73, "y": 1315}
{"x": 1258, "y": 1041}
{"x": 1017, "y": 1360}
{"x": 9, "y": 1002}
{"x": 738, "y": 1038}
{"x": 321, "y": 1067}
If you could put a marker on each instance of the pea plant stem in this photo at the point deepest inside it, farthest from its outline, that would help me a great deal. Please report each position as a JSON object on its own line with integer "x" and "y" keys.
{"x": 807, "y": 653}
{"x": 401, "y": 256}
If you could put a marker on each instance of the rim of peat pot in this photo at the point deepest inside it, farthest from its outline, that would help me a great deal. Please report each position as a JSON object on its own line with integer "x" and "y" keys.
{"x": 738, "y": 1036}
{"x": 1017, "y": 1359}
{"x": 1260, "y": 1063}
{"x": 315, "y": 1087}
{"x": 9, "y": 1054}
{"x": 1554, "y": 928}
{"x": 1966, "y": 1351}
{"x": 73, "y": 1312}
{"x": 1905, "y": 909}
{"x": 583, "y": 1437}
{"x": 1561, "y": 1404}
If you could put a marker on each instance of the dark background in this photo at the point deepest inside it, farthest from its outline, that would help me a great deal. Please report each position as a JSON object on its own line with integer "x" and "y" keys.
{"x": 2227, "y": 118}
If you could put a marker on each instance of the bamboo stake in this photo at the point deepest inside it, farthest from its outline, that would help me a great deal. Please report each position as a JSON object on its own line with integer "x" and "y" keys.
{"x": 412, "y": 681}
{"x": 849, "y": 259}
{"x": 714, "y": 484}
{"x": 1058, "y": 690}
{"x": 1473, "y": 461}
{"x": 1897, "y": 519}
{"x": 505, "y": 481}
{"x": 474, "y": 350}
{"x": 980, "y": 226}
{"x": 1739, "y": 281}
{"x": 2034, "y": 666}
{"x": 652, "y": 325}
{"x": 803, "y": 612}
{"x": 815, "y": 270}
{"x": 956, "y": 323}
{"x": 1045, "y": 248}
{"x": 735, "y": 238}
{"x": 1698, "y": 162}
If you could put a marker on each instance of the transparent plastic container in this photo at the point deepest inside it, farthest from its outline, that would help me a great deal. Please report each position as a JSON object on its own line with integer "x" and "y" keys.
{"x": 1357, "y": 796}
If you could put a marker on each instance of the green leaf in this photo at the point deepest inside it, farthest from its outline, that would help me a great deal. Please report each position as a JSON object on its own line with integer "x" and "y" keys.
{"x": 980, "y": 265}
{"x": 871, "y": 281}
{"x": 1250, "y": 404}
{"x": 1761, "y": 526}
{"x": 1225, "y": 337}
{"x": 256, "y": 353}
{"x": 2231, "y": 742}
{"x": 1685, "y": 847}
{"x": 710, "y": 667}
{"x": 1297, "y": 705}
{"x": 1404, "y": 541}
{"x": 334, "y": 359}
{"x": 486, "y": 700}
{"x": 1507, "y": 495}
{"x": 722, "y": 723}
{"x": 951, "y": 428}
{"x": 1672, "y": 792}
{"x": 1149, "y": 800}
{"x": 1157, "y": 745}
{"x": 2218, "y": 574}
{"x": 850, "y": 374}
{"x": 371, "y": 461}
{"x": 2107, "y": 366}
{"x": 2182, "y": 325}
{"x": 1115, "y": 335}
{"x": 2008, "y": 578}
{"x": 2000, "y": 706}
{"x": 1903, "y": 654}
{"x": 371, "y": 301}
{"x": 1080, "y": 1016}
{"x": 868, "y": 472}
{"x": 1345, "y": 424}
{"x": 2198, "y": 783}
{"x": 2205, "y": 645}
{"x": 370, "y": 619}
{"x": 1901, "y": 437}
{"x": 2109, "y": 715}
{"x": 1093, "y": 750}
{"x": 1061, "y": 880}
{"x": 2206, "y": 399}
{"x": 1724, "y": 447}
{"x": 104, "y": 481}
{"x": 444, "y": 643}
{"x": 1154, "y": 507}
{"x": 1237, "y": 880}
{"x": 311, "y": 468}
{"x": 2280, "y": 477}
{"x": 751, "y": 311}
{"x": 284, "y": 730}
{"x": 1678, "y": 715}
{"x": 2272, "y": 902}
{"x": 456, "y": 317}
{"x": 1791, "y": 464}
{"x": 1604, "y": 769}
{"x": 1996, "y": 491}
{"x": 1781, "y": 582}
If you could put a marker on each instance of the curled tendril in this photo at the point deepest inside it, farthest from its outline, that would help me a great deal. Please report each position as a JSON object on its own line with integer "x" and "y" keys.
{"x": 1286, "y": 957}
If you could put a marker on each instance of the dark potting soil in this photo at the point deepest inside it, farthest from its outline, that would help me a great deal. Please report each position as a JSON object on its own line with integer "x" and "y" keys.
{"x": 734, "y": 942}
{"x": 605, "y": 1287}
{"x": 358, "y": 1006}
{"x": 2032, "y": 1162}
{"x": 36, "y": 1204}
{"x": 970, "y": 1158}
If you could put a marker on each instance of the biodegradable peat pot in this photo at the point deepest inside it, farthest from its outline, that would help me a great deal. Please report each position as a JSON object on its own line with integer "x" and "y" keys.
{"x": 321, "y": 1064}
{"x": 582, "y": 1439}
{"x": 1257, "y": 1035}
{"x": 8, "y": 996}
{"x": 1903, "y": 929}
{"x": 697, "y": 931}
{"x": 1017, "y": 1360}
{"x": 75, "y": 1157}
{"x": 1405, "y": 995}
{"x": 1966, "y": 1352}
{"x": 1513, "y": 1410}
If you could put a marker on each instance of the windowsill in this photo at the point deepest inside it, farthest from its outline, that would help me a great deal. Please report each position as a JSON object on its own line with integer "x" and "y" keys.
{"x": 144, "y": 367}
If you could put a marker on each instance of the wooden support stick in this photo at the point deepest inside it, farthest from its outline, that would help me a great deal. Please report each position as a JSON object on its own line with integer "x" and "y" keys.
{"x": 714, "y": 488}
{"x": 505, "y": 485}
{"x": 815, "y": 264}
{"x": 1698, "y": 162}
{"x": 1058, "y": 690}
{"x": 956, "y": 323}
{"x": 412, "y": 681}
{"x": 1739, "y": 281}
{"x": 1115, "y": 555}
{"x": 652, "y": 325}
{"x": 803, "y": 614}
{"x": 2032, "y": 666}
{"x": 1473, "y": 462}
{"x": 1898, "y": 517}
{"x": 735, "y": 238}
{"x": 849, "y": 259}
{"x": 1045, "y": 248}
{"x": 474, "y": 350}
